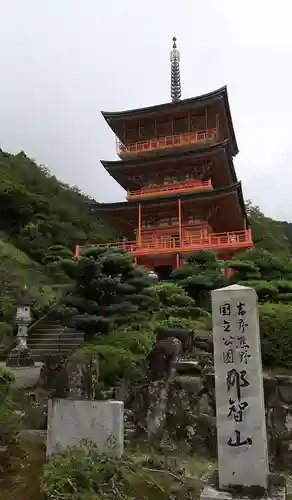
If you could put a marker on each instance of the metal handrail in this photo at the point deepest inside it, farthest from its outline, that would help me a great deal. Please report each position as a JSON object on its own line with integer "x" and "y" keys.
{"x": 32, "y": 325}
{"x": 59, "y": 338}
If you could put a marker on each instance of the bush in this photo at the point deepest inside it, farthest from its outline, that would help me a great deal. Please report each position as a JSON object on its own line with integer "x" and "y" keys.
{"x": 8, "y": 420}
{"x": 82, "y": 473}
{"x": 276, "y": 334}
{"x": 121, "y": 354}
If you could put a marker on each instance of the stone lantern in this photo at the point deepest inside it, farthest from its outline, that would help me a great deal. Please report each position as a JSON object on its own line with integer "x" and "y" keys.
{"x": 20, "y": 355}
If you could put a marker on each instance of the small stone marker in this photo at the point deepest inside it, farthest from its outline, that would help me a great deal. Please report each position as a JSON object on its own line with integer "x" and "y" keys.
{"x": 241, "y": 424}
{"x": 101, "y": 422}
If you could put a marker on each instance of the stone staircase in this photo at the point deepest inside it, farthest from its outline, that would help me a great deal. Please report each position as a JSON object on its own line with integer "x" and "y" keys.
{"x": 47, "y": 336}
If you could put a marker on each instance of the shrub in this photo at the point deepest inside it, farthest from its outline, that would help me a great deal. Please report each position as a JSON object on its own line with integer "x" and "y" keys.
{"x": 82, "y": 473}
{"x": 276, "y": 334}
{"x": 120, "y": 354}
{"x": 8, "y": 420}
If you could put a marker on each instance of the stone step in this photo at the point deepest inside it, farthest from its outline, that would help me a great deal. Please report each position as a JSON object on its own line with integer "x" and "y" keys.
{"x": 56, "y": 338}
{"x": 46, "y": 329}
{"x": 55, "y": 332}
{"x": 39, "y": 354}
{"x": 43, "y": 329}
{"x": 32, "y": 344}
{"x": 50, "y": 337}
{"x": 48, "y": 346}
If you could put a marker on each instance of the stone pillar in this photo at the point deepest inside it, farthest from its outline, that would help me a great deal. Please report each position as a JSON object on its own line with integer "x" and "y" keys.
{"x": 241, "y": 425}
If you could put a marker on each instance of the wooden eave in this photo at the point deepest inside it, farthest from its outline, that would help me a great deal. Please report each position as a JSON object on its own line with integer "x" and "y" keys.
{"x": 123, "y": 216}
{"x": 120, "y": 168}
{"x": 101, "y": 209}
{"x": 113, "y": 118}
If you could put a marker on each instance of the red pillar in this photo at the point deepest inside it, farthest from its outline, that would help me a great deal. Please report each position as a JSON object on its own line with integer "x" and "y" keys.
{"x": 77, "y": 251}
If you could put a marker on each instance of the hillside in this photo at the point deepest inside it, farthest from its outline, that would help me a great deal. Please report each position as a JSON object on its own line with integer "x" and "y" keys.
{"x": 268, "y": 234}
{"x": 41, "y": 220}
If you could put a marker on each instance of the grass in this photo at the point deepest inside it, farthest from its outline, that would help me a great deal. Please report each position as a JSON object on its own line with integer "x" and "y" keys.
{"x": 22, "y": 482}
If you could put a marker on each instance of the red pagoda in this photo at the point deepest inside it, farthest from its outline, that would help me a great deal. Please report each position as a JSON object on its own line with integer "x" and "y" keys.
{"x": 176, "y": 164}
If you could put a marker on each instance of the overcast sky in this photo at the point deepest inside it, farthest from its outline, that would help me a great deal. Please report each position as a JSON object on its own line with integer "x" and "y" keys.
{"x": 62, "y": 61}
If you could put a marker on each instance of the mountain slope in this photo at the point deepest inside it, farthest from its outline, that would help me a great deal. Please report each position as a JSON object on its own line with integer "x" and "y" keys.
{"x": 41, "y": 220}
{"x": 269, "y": 234}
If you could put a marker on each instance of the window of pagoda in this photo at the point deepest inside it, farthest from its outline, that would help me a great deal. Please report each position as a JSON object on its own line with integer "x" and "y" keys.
{"x": 182, "y": 122}
{"x": 174, "y": 175}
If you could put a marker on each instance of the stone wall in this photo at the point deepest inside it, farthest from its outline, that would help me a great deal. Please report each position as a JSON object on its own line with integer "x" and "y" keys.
{"x": 183, "y": 404}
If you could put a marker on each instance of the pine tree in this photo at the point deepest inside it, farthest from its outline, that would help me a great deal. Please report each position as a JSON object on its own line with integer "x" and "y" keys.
{"x": 107, "y": 291}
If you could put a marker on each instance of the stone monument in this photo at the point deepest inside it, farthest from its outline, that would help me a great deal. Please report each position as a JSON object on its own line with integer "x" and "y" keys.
{"x": 243, "y": 466}
{"x": 20, "y": 356}
{"x": 101, "y": 422}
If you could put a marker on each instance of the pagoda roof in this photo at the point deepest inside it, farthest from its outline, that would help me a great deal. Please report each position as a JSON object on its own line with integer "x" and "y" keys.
{"x": 118, "y": 168}
{"x": 113, "y": 118}
{"x": 124, "y": 215}
{"x": 102, "y": 208}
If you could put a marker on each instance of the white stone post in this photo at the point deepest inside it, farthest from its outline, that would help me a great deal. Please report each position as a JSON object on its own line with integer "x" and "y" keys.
{"x": 20, "y": 355}
{"x": 241, "y": 425}
{"x": 23, "y": 319}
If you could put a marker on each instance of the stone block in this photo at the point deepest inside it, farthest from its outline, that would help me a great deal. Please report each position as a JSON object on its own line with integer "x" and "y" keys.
{"x": 276, "y": 491}
{"x": 101, "y": 422}
{"x": 20, "y": 358}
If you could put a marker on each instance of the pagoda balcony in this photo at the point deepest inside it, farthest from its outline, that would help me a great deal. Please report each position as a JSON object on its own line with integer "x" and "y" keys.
{"x": 235, "y": 240}
{"x": 168, "y": 142}
{"x": 167, "y": 189}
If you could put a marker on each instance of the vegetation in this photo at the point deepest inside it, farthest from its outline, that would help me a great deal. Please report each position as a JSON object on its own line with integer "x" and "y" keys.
{"x": 276, "y": 330}
{"x": 268, "y": 234}
{"x": 41, "y": 221}
{"x": 107, "y": 291}
{"x": 176, "y": 308}
{"x": 119, "y": 308}
{"x": 200, "y": 274}
{"x": 270, "y": 275}
{"x": 81, "y": 472}
{"x": 8, "y": 421}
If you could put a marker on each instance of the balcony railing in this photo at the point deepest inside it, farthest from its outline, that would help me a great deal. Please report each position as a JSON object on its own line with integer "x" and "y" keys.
{"x": 164, "y": 189}
{"x": 165, "y": 244}
{"x": 168, "y": 142}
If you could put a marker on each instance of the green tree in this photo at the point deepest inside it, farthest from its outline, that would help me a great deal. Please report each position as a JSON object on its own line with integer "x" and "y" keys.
{"x": 107, "y": 291}
{"x": 276, "y": 331}
{"x": 176, "y": 308}
{"x": 121, "y": 354}
{"x": 200, "y": 274}
{"x": 42, "y": 220}
{"x": 270, "y": 275}
{"x": 267, "y": 234}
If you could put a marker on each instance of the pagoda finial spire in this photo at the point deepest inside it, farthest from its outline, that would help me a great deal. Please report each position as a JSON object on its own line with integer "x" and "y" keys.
{"x": 175, "y": 72}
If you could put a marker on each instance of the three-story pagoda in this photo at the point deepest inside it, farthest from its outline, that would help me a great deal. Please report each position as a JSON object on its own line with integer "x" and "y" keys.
{"x": 176, "y": 165}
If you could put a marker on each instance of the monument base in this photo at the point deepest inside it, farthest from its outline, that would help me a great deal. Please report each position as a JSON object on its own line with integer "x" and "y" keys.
{"x": 20, "y": 358}
{"x": 276, "y": 491}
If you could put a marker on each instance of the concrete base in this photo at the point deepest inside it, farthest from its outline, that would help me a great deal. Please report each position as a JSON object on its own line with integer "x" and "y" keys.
{"x": 276, "y": 491}
{"x": 20, "y": 358}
